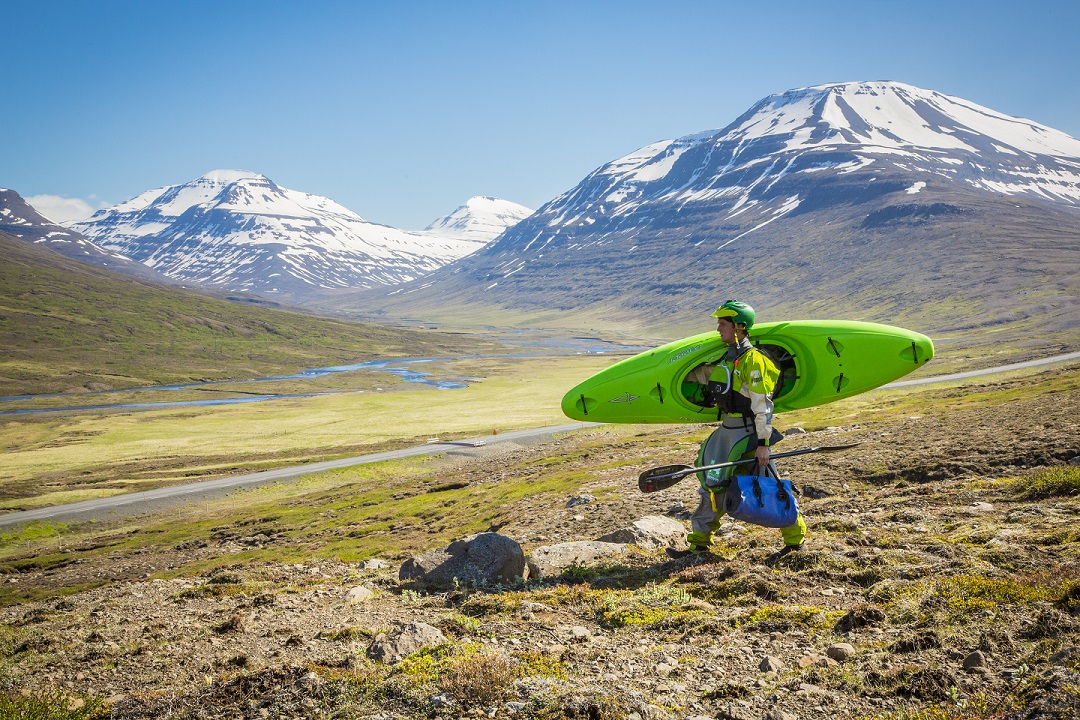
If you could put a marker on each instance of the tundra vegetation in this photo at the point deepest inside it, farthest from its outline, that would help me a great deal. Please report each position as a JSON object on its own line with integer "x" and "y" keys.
{"x": 940, "y": 582}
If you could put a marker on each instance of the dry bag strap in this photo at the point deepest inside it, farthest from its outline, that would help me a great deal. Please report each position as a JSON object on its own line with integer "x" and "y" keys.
{"x": 782, "y": 495}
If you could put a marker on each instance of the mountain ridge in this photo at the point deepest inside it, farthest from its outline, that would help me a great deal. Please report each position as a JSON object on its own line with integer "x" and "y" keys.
{"x": 239, "y": 231}
{"x": 797, "y": 195}
{"x": 20, "y": 219}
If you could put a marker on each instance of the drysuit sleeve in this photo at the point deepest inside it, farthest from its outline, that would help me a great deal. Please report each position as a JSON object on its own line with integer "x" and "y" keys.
{"x": 759, "y": 376}
{"x": 700, "y": 374}
{"x": 694, "y": 385}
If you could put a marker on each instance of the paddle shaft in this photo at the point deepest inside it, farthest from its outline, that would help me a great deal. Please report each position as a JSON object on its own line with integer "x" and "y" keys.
{"x": 732, "y": 463}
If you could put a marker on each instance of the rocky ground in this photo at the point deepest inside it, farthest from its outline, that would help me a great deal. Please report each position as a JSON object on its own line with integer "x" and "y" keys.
{"x": 940, "y": 581}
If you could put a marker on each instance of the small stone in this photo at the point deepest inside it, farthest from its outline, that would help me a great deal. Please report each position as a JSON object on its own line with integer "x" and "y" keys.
{"x": 975, "y": 661}
{"x": 374, "y": 564}
{"x": 840, "y": 651}
{"x": 731, "y": 711}
{"x": 1074, "y": 460}
{"x": 663, "y": 670}
{"x": 814, "y": 659}
{"x": 358, "y": 594}
{"x": 771, "y": 664}
{"x": 442, "y": 700}
{"x": 581, "y": 633}
{"x": 403, "y": 640}
{"x": 778, "y": 715}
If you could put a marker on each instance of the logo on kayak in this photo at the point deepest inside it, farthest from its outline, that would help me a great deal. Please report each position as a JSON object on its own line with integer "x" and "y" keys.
{"x": 627, "y": 398}
{"x": 684, "y": 353}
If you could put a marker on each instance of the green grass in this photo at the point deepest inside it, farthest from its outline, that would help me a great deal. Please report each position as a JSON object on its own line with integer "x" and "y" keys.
{"x": 53, "y": 459}
{"x": 1046, "y": 483}
{"x": 50, "y": 704}
{"x": 68, "y": 327}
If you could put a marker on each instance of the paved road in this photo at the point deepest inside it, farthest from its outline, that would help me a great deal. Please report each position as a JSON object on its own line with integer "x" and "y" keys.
{"x": 987, "y": 371}
{"x": 140, "y": 502}
{"x": 136, "y": 503}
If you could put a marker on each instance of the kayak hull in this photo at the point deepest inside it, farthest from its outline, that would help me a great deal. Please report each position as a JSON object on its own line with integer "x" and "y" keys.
{"x": 821, "y": 361}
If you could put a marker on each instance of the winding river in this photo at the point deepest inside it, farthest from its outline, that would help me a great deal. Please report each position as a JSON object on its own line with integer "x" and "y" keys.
{"x": 403, "y": 368}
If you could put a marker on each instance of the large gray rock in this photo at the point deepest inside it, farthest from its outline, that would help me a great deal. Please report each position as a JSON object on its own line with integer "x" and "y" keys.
{"x": 402, "y": 640}
{"x": 652, "y": 531}
{"x": 478, "y": 560}
{"x": 553, "y": 560}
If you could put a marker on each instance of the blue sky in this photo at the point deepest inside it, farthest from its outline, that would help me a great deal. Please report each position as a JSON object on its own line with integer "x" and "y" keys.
{"x": 402, "y": 110}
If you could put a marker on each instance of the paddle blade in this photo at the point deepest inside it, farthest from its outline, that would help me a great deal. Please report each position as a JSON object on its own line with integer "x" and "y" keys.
{"x": 661, "y": 478}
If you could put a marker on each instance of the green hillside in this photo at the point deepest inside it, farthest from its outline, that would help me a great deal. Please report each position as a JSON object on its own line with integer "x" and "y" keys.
{"x": 70, "y": 327}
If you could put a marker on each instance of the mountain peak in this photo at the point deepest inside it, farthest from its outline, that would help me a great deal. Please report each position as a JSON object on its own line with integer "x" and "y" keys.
{"x": 481, "y": 219}
{"x": 20, "y": 219}
{"x": 239, "y": 231}
{"x": 892, "y": 116}
{"x": 227, "y": 177}
{"x": 879, "y": 191}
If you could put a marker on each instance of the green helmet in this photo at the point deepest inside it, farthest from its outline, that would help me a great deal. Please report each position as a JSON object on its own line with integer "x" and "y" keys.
{"x": 739, "y": 312}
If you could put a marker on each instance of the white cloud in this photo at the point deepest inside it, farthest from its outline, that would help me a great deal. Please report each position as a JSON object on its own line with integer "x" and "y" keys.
{"x": 63, "y": 210}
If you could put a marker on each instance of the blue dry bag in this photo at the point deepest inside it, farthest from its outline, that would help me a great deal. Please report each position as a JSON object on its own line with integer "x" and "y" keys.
{"x": 762, "y": 499}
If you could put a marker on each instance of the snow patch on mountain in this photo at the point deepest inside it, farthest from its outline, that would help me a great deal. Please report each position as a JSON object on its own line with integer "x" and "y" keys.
{"x": 897, "y": 116}
{"x": 480, "y": 219}
{"x": 240, "y": 231}
{"x": 787, "y": 155}
{"x": 19, "y": 218}
{"x": 843, "y": 128}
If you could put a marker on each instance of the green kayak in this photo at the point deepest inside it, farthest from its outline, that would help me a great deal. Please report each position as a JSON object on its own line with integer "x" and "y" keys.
{"x": 820, "y": 361}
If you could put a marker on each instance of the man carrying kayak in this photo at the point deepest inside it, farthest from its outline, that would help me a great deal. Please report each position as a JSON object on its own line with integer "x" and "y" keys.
{"x": 741, "y": 385}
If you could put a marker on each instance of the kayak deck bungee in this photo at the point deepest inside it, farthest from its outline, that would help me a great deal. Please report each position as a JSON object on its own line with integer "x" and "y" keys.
{"x": 820, "y": 361}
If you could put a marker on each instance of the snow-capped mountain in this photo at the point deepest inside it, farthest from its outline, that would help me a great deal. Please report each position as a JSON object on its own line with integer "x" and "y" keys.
{"x": 240, "y": 231}
{"x": 481, "y": 219}
{"x": 841, "y": 128}
{"x": 828, "y": 130}
{"x": 19, "y": 218}
{"x": 868, "y": 189}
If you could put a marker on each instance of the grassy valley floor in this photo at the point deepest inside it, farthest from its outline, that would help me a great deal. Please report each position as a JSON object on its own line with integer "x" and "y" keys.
{"x": 944, "y": 551}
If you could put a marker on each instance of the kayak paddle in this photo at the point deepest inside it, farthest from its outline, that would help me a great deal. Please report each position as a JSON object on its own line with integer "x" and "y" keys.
{"x": 661, "y": 478}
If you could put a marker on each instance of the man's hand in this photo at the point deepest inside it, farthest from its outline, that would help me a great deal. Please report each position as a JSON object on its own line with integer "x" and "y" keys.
{"x": 762, "y": 455}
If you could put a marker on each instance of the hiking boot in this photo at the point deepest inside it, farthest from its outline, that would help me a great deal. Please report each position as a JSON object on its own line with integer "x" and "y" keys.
{"x": 679, "y": 554}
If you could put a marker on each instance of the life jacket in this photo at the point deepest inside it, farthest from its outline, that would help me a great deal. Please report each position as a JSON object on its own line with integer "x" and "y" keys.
{"x": 724, "y": 394}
